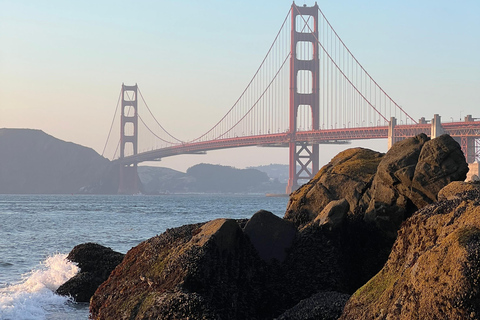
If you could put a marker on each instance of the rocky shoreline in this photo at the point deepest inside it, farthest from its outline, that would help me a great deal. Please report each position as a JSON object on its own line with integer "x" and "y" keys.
{"x": 371, "y": 236}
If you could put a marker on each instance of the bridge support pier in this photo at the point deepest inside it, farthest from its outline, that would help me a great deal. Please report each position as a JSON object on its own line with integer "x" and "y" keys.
{"x": 303, "y": 163}
{"x": 129, "y": 182}
{"x": 468, "y": 148}
{"x": 470, "y": 144}
{"x": 391, "y": 132}
{"x": 437, "y": 129}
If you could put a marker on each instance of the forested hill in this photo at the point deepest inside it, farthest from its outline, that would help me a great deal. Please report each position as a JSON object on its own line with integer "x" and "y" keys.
{"x": 33, "y": 162}
{"x": 208, "y": 178}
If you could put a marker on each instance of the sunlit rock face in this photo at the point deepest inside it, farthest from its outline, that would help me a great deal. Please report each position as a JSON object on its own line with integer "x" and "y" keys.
{"x": 384, "y": 189}
{"x": 433, "y": 271}
{"x": 96, "y": 262}
{"x": 347, "y": 176}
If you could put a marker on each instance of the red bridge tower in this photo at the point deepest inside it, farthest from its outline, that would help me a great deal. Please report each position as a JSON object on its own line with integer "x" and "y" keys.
{"x": 129, "y": 183}
{"x": 304, "y": 156}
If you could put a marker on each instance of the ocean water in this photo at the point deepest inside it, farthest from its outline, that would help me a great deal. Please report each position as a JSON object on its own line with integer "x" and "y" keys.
{"x": 38, "y": 231}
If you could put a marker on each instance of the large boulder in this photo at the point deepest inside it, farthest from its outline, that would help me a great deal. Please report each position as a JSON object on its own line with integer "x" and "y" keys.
{"x": 441, "y": 161}
{"x": 388, "y": 201}
{"x": 410, "y": 176}
{"x": 200, "y": 271}
{"x": 433, "y": 271}
{"x": 96, "y": 262}
{"x": 346, "y": 176}
{"x": 349, "y": 213}
{"x": 270, "y": 235}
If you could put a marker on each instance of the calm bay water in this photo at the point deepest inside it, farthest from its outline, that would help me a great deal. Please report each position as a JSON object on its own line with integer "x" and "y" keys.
{"x": 38, "y": 231}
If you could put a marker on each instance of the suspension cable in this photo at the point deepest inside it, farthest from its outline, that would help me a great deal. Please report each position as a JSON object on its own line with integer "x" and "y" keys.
{"x": 148, "y": 128}
{"x": 340, "y": 70}
{"x": 256, "y": 102}
{"x": 113, "y": 121}
{"x": 248, "y": 85}
{"x": 360, "y": 65}
{"x": 157, "y": 121}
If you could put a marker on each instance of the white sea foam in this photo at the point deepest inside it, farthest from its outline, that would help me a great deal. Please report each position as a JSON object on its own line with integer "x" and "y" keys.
{"x": 34, "y": 295}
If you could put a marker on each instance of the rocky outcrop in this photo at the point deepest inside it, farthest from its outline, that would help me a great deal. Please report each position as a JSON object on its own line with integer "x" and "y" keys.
{"x": 433, "y": 271}
{"x": 201, "y": 271}
{"x": 441, "y": 161}
{"x": 337, "y": 234}
{"x": 388, "y": 199}
{"x": 410, "y": 176}
{"x": 346, "y": 176}
{"x": 96, "y": 262}
{"x": 333, "y": 215}
{"x": 384, "y": 189}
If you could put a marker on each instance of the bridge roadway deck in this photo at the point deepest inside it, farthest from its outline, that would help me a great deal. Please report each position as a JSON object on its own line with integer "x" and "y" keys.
{"x": 332, "y": 136}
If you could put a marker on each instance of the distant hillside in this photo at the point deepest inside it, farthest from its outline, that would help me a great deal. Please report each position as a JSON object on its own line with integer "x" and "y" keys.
{"x": 207, "y": 178}
{"x": 158, "y": 180}
{"x": 34, "y": 162}
{"x": 275, "y": 171}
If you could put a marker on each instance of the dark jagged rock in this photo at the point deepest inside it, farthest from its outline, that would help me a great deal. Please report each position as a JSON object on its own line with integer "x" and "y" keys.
{"x": 441, "y": 161}
{"x": 270, "y": 235}
{"x": 321, "y": 306}
{"x": 433, "y": 271}
{"x": 201, "y": 271}
{"x": 388, "y": 201}
{"x": 410, "y": 176}
{"x": 96, "y": 262}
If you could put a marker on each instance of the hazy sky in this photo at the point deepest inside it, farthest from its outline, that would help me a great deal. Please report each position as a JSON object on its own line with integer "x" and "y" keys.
{"x": 62, "y": 63}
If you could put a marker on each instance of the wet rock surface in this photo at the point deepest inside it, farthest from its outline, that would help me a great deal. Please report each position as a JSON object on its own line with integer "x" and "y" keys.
{"x": 96, "y": 262}
{"x": 201, "y": 271}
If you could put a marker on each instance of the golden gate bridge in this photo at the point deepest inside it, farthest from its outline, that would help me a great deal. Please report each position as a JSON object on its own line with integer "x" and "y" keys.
{"x": 308, "y": 90}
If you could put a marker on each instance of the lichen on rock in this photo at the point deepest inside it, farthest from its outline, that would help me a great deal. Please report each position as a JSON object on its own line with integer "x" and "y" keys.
{"x": 433, "y": 271}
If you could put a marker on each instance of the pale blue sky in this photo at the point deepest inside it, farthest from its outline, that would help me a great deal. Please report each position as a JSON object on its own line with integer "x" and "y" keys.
{"x": 62, "y": 62}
